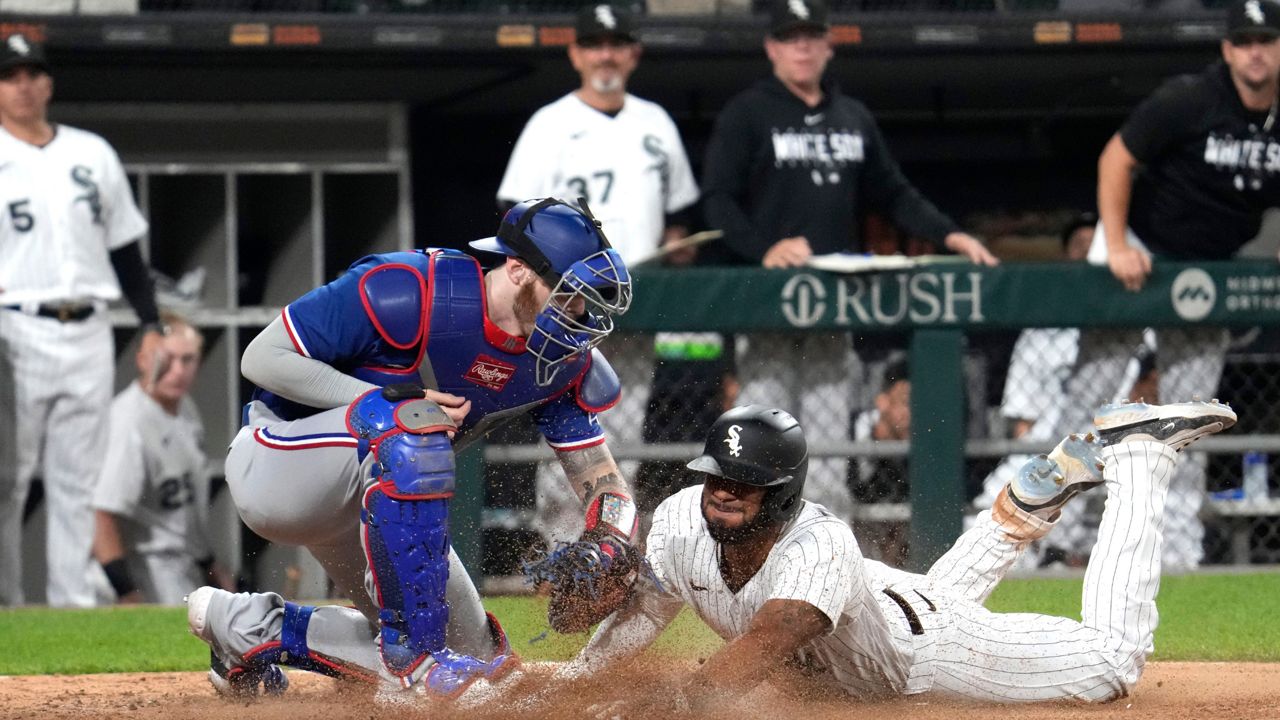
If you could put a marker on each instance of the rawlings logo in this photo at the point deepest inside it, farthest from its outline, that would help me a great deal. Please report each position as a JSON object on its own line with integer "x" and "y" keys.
{"x": 735, "y": 445}
{"x": 799, "y": 9}
{"x": 488, "y": 372}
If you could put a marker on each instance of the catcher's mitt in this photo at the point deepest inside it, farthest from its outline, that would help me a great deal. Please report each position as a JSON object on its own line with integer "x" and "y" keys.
{"x": 591, "y": 577}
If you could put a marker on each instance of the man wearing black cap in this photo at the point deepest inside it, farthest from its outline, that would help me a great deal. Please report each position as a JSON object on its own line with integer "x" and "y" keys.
{"x": 791, "y": 164}
{"x": 1187, "y": 177}
{"x": 624, "y": 155}
{"x": 620, "y": 152}
{"x": 68, "y": 232}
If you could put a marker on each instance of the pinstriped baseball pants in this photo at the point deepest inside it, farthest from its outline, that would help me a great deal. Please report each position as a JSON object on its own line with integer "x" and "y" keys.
{"x": 1024, "y": 657}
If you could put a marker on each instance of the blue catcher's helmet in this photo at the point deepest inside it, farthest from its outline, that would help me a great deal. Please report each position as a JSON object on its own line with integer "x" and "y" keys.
{"x": 569, "y": 251}
{"x": 556, "y": 230}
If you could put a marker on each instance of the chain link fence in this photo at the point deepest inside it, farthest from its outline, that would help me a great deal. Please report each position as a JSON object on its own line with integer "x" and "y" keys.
{"x": 852, "y": 393}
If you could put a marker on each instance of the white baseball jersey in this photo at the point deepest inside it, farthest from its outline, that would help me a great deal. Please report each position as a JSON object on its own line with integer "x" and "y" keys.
{"x": 153, "y": 478}
{"x": 897, "y": 632}
{"x": 65, "y": 207}
{"x": 631, "y": 168}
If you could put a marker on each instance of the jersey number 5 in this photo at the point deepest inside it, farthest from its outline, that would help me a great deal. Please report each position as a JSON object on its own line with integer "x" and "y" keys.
{"x": 579, "y": 186}
{"x": 23, "y": 220}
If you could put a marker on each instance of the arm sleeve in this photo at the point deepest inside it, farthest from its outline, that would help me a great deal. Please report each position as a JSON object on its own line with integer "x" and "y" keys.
{"x": 528, "y": 171}
{"x": 821, "y": 566}
{"x": 124, "y": 469}
{"x": 1154, "y": 125}
{"x": 124, "y": 221}
{"x": 726, "y": 181}
{"x": 273, "y": 362}
{"x": 135, "y": 281}
{"x": 885, "y": 187}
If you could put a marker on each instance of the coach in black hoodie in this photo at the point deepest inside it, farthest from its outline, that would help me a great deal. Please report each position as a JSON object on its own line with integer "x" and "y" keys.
{"x": 792, "y": 160}
{"x": 790, "y": 165}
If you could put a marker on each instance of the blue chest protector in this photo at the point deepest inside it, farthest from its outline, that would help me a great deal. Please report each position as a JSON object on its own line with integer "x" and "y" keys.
{"x": 445, "y": 339}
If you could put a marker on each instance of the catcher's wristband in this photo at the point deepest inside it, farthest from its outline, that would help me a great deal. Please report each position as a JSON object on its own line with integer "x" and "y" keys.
{"x": 615, "y": 515}
{"x": 119, "y": 576}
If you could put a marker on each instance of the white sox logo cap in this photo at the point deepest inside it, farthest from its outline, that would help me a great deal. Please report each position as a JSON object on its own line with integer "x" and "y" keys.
{"x": 597, "y": 22}
{"x": 733, "y": 440}
{"x": 1254, "y": 17}
{"x": 790, "y": 15}
{"x": 19, "y": 51}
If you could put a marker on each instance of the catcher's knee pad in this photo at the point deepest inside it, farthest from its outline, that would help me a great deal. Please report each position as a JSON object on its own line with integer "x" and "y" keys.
{"x": 406, "y": 521}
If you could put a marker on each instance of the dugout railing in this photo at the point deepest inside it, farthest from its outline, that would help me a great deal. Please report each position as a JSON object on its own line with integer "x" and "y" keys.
{"x": 937, "y": 312}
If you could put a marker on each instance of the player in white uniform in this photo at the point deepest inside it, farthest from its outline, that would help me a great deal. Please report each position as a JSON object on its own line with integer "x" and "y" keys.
{"x": 67, "y": 221}
{"x": 624, "y": 156}
{"x": 783, "y": 581}
{"x": 620, "y": 152}
{"x": 151, "y": 501}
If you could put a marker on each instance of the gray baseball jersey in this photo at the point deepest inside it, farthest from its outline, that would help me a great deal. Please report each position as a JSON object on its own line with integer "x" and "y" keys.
{"x": 153, "y": 477}
{"x": 63, "y": 208}
{"x": 894, "y": 632}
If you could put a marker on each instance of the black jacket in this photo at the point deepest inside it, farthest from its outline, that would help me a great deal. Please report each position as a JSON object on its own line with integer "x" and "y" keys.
{"x": 776, "y": 168}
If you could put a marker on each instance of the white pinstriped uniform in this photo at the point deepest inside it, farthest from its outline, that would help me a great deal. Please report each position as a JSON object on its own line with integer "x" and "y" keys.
{"x": 63, "y": 208}
{"x": 958, "y": 647}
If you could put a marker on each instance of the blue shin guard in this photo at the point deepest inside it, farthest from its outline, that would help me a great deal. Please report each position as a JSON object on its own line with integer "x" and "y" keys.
{"x": 406, "y": 523}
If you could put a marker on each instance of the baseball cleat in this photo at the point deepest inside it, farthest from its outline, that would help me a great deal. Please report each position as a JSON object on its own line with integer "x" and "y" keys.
{"x": 1176, "y": 425}
{"x": 231, "y": 681}
{"x": 1046, "y": 482}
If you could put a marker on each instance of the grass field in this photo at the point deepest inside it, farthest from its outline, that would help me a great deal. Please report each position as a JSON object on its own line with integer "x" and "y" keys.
{"x": 1202, "y": 617}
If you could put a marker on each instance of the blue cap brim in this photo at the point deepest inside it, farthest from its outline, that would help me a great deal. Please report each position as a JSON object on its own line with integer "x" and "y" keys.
{"x": 491, "y": 245}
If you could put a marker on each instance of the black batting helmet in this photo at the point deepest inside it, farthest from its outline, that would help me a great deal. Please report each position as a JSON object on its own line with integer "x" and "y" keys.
{"x": 759, "y": 446}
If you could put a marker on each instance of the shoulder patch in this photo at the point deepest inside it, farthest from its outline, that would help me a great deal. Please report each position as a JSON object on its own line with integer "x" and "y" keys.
{"x": 393, "y": 296}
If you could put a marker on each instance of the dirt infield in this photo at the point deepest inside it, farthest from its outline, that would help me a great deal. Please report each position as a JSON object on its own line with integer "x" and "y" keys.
{"x": 1168, "y": 691}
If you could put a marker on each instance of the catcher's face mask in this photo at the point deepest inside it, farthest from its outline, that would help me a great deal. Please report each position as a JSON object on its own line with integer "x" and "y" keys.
{"x": 578, "y": 315}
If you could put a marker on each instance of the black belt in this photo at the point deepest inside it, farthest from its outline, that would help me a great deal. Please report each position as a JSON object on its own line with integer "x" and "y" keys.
{"x": 65, "y": 313}
{"x": 913, "y": 620}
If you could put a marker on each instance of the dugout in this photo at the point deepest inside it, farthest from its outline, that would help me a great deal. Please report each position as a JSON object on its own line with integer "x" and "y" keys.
{"x": 270, "y": 150}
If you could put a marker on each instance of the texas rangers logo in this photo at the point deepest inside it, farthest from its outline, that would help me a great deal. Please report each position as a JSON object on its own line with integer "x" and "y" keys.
{"x": 604, "y": 16}
{"x": 489, "y": 372}
{"x": 1253, "y": 10}
{"x": 798, "y": 8}
{"x": 735, "y": 445}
